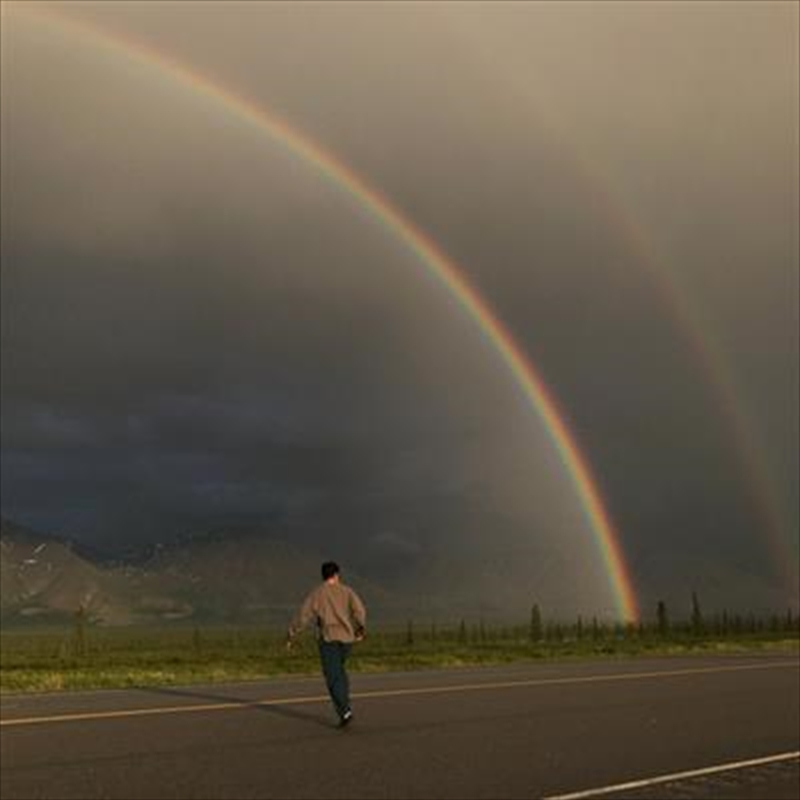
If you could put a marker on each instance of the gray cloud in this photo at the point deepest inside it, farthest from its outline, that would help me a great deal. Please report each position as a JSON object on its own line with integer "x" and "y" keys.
{"x": 198, "y": 328}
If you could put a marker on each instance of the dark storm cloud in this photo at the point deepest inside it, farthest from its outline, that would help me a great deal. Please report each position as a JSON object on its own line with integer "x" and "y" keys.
{"x": 197, "y": 328}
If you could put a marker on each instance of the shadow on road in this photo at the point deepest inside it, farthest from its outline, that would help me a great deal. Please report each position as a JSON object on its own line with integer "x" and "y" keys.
{"x": 280, "y": 711}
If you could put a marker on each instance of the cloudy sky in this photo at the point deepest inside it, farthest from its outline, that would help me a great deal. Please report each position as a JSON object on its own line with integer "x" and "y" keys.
{"x": 200, "y": 330}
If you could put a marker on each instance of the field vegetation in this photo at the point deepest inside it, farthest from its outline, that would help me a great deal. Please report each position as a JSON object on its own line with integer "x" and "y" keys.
{"x": 82, "y": 656}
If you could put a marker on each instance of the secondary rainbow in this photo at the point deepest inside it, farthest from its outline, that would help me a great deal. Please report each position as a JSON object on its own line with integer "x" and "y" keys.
{"x": 443, "y": 269}
{"x": 624, "y": 216}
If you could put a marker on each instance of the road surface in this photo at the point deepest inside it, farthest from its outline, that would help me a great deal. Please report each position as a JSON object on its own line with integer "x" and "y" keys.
{"x": 700, "y": 727}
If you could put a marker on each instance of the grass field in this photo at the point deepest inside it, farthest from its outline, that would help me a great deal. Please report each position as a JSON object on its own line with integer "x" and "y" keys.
{"x": 83, "y": 657}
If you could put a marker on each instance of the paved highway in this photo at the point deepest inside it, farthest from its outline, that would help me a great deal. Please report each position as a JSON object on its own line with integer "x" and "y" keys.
{"x": 721, "y": 727}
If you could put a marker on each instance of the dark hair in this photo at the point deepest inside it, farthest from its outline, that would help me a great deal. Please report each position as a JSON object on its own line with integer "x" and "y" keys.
{"x": 329, "y": 569}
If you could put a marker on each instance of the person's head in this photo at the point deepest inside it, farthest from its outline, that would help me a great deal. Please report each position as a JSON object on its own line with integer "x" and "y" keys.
{"x": 330, "y": 571}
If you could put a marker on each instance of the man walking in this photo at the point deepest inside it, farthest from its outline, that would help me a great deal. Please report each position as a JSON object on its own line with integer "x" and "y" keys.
{"x": 340, "y": 619}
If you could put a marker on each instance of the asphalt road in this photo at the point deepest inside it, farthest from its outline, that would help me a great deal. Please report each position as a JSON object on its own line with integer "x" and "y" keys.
{"x": 541, "y": 730}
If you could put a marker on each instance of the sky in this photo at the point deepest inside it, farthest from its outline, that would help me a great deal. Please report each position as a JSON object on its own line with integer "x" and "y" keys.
{"x": 200, "y": 330}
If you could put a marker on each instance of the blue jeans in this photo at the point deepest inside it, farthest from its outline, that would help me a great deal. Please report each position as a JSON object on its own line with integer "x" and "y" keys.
{"x": 333, "y": 656}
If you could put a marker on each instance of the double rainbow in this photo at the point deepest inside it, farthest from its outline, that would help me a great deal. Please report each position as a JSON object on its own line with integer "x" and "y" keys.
{"x": 442, "y": 268}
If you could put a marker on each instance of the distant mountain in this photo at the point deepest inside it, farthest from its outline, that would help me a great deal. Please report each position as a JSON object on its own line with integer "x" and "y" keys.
{"x": 244, "y": 575}
{"x": 44, "y": 576}
{"x": 435, "y": 560}
{"x": 219, "y": 576}
{"x": 444, "y": 557}
{"x": 481, "y": 565}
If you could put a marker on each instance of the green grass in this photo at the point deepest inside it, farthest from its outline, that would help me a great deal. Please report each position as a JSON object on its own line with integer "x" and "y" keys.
{"x": 89, "y": 658}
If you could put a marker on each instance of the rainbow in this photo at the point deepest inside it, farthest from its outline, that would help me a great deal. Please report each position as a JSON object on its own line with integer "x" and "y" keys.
{"x": 441, "y": 268}
{"x": 690, "y": 323}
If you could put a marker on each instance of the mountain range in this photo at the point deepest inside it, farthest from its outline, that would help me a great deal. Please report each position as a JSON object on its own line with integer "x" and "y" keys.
{"x": 258, "y": 575}
{"x": 243, "y": 576}
{"x": 209, "y": 577}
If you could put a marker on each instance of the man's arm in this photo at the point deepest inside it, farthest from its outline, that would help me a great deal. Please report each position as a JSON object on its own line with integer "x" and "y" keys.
{"x": 303, "y": 617}
{"x": 359, "y": 614}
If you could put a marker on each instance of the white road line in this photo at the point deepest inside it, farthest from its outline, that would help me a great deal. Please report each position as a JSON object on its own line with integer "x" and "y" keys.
{"x": 675, "y": 776}
{"x": 467, "y": 687}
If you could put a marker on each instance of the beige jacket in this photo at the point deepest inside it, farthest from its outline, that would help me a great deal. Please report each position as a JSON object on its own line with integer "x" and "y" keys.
{"x": 336, "y": 609}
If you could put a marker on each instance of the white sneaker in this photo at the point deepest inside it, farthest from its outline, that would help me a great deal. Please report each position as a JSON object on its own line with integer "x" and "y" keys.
{"x": 346, "y": 718}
